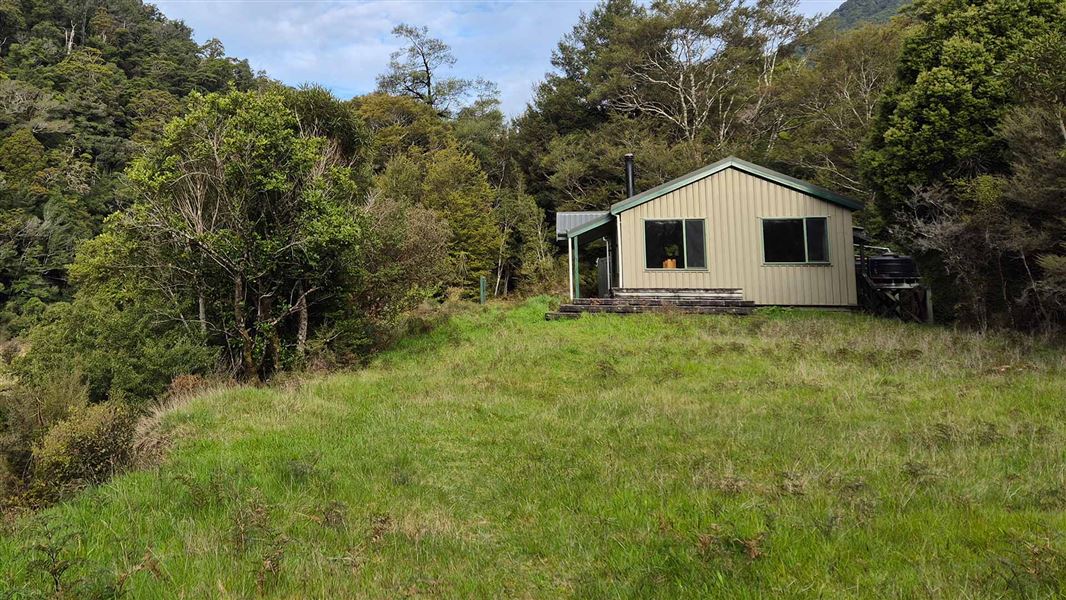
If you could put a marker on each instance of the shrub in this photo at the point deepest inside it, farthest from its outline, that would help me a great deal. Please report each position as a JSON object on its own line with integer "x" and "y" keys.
{"x": 28, "y": 411}
{"x": 124, "y": 351}
{"x": 85, "y": 448}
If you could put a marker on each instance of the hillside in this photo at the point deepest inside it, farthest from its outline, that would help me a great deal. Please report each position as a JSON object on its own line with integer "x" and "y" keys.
{"x": 84, "y": 87}
{"x": 783, "y": 454}
{"x": 854, "y": 12}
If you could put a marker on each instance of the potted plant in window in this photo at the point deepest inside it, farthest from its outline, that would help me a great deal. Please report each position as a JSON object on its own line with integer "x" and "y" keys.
{"x": 672, "y": 252}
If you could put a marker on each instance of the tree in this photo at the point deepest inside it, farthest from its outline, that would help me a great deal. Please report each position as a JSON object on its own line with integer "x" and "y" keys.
{"x": 240, "y": 210}
{"x": 939, "y": 122}
{"x": 250, "y": 230}
{"x": 678, "y": 82}
{"x": 44, "y": 215}
{"x": 965, "y": 155}
{"x": 400, "y": 124}
{"x": 711, "y": 66}
{"x": 525, "y": 252}
{"x": 481, "y": 128}
{"x": 585, "y": 168}
{"x": 834, "y": 96}
{"x": 450, "y": 181}
{"x": 415, "y": 71}
{"x": 1035, "y": 135}
{"x": 92, "y": 81}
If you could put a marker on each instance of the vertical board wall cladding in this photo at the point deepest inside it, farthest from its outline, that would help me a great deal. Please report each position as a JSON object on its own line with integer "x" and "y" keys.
{"x": 733, "y": 204}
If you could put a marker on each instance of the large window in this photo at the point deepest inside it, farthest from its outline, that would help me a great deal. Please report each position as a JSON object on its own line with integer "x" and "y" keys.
{"x": 793, "y": 241}
{"x": 675, "y": 244}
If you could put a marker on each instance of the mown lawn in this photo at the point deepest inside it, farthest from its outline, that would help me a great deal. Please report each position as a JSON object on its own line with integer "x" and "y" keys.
{"x": 788, "y": 454}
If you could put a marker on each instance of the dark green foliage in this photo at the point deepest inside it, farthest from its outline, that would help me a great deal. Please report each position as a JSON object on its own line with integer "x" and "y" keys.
{"x": 940, "y": 121}
{"x": 400, "y": 124}
{"x": 252, "y": 234}
{"x": 318, "y": 113}
{"x": 450, "y": 182}
{"x": 82, "y": 84}
{"x": 853, "y": 13}
{"x": 27, "y": 412}
{"x": 966, "y": 155}
{"x": 248, "y": 216}
{"x": 124, "y": 349}
{"x": 464, "y": 169}
{"x": 835, "y": 98}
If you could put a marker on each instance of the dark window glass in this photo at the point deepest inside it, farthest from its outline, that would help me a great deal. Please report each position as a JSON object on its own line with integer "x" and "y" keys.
{"x": 817, "y": 240}
{"x": 663, "y": 245}
{"x": 782, "y": 240}
{"x": 695, "y": 244}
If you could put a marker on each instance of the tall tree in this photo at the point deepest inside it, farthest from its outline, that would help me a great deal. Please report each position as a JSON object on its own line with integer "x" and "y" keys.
{"x": 709, "y": 75}
{"x": 416, "y": 71}
{"x": 833, "y": 96}
{"x": 939, "y": 122}
{"x": 679, "y": 82}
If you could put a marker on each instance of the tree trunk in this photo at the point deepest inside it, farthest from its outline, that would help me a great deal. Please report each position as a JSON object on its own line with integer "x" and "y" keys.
{"x": 272, "y": 355}
{"x": 248, "y": 369}
{"x": 499, "y": 261}
{"x": 69, "y": 38}
{"x": 201, "y": 302}
{"x": 301, "y": 328}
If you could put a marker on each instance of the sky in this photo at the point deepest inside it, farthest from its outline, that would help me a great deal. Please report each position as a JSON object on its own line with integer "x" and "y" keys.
{"x": 345, "y": 44}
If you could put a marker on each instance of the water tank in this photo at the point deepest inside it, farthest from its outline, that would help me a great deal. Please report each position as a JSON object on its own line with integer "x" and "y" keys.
{"x": 891, "y": 266}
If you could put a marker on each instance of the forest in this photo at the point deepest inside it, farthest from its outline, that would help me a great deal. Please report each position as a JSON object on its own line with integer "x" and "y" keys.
{"x": 170, "y": 215}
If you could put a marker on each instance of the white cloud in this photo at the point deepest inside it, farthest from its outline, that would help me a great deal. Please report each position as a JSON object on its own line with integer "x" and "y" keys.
{"x": 344, "y": 45}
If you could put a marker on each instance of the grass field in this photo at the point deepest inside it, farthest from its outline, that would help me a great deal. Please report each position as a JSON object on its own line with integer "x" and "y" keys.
{"x": 787, "y": 454}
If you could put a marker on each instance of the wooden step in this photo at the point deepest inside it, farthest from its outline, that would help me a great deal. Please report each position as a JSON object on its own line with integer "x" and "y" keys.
{"x": 662, "y": 302}
{"x": 688, "y": 301}
{"x": 692, "y": 310}
{"x": 624, "y": 309}
{"x": 678, "y": 293}
{"x": 560, "y": 316}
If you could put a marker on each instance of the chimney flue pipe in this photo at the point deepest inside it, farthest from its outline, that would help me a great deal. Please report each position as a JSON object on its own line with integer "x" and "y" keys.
{"x": 630, "y": 185}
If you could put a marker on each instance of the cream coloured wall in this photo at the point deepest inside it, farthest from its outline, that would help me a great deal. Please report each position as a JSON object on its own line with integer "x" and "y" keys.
{"x": 733, "y": 203}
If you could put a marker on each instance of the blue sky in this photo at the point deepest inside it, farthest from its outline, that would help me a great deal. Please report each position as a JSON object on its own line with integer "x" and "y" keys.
{"x": 345, "y": 44}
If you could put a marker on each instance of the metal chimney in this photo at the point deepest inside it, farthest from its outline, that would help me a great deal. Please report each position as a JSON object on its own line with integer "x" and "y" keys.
{"x": 630, "y": 181}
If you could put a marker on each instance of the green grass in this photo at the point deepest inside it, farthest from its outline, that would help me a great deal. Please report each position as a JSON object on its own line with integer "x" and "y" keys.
{"x": 788, "y": 454}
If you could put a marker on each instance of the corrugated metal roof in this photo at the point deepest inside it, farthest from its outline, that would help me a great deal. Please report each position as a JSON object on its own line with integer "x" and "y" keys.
{"x": 741, "y": 165}
{"x": 565, "y": 221}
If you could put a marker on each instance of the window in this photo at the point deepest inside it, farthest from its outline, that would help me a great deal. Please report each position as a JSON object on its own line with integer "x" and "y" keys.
{"x": 675, "y": 244}
{"x": 796, "y": 240}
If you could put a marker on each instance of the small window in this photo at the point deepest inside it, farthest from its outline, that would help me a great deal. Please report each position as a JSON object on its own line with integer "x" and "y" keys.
{"x": 796, "y": 240}
{"x": 675, "y": 244}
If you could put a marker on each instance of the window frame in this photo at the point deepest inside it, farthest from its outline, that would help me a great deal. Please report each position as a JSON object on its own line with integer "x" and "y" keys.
{"x": 828, "y": 262}
{"x": 684, "y": 243}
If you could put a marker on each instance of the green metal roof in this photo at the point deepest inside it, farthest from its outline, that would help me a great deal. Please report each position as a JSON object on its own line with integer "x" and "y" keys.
{"x": 741, "y": 165}
{"x": 589, "y": 226}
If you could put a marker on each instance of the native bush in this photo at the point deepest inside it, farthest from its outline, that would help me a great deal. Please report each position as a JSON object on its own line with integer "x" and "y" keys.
{"x": 123, "y": 350}
{"x": 86, "y": 448}
{"x": 27, "y": 411}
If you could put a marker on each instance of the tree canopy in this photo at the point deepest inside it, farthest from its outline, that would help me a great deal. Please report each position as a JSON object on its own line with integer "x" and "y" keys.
{"x": 953, "y": 155}
{"x": 83, "y": 86}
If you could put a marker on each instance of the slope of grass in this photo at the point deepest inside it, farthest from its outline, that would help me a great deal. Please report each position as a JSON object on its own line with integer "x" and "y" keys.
{"x": 786, "y": 454}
